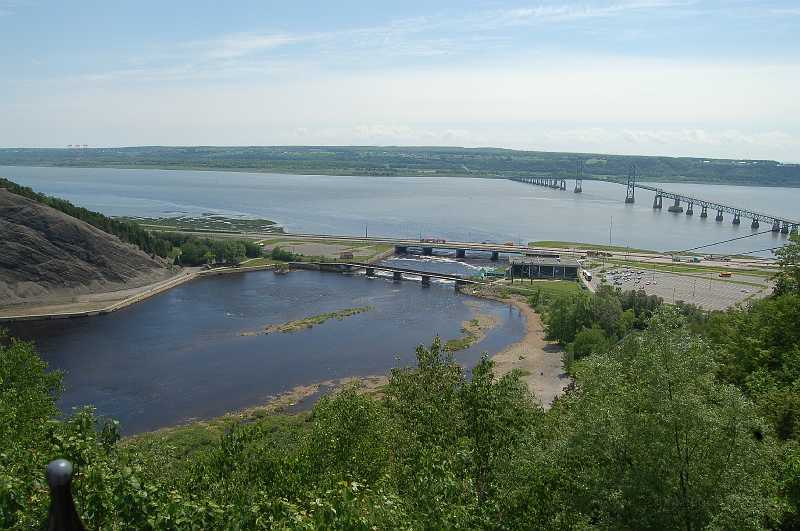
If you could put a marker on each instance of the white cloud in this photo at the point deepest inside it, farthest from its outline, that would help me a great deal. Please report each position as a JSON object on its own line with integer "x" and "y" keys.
{"x": 436, "y": 35}
{"x": 241, "y": 44}
{"x": 606, "y": 105}
{"x": 567, "y": 12}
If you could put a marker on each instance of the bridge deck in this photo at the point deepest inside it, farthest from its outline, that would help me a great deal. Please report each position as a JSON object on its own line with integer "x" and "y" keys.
{"x": 744, "y": 212}
{"x": 360, "y": 265}
{"x": 751, "y": 214}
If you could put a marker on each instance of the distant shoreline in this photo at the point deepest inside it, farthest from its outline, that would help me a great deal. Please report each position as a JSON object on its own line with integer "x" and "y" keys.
{"x": 305, "y": 173}
{"x": 143, "y": 293}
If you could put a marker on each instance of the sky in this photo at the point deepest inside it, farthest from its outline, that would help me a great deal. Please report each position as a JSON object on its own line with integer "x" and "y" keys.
{"x": 652, "y": 77}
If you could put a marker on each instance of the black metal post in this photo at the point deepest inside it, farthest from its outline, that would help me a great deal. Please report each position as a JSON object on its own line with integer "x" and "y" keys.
{"x": 62, "y": 515}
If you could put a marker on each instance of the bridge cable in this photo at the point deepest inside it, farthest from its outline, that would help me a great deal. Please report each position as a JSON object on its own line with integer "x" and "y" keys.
{"x": 724, "y": 241}
{"x": 752, "y": 252}
{"x": 709, "y": 245}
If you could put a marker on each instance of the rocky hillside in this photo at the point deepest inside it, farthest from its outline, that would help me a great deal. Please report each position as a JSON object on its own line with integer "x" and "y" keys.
{"x": 47, "y": 256}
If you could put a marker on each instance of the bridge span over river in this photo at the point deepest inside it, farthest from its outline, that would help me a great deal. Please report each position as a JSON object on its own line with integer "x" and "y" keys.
{"x": 778, "y": 223}
{"x": 397, "y": 272}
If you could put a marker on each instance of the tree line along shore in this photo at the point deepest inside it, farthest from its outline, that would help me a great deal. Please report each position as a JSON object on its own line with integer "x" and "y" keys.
{"x": 414, "y": 161}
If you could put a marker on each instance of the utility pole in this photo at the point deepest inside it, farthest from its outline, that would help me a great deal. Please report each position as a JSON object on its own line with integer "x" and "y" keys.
{"x": 366, "y": 230}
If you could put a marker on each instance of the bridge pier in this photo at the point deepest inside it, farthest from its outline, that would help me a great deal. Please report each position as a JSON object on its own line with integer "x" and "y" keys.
{"x": 689, "y": 211}
{"x": 461, "y": 253}
{"x": 704, "y": 211}
{"x": 676, "y": 207}
{"x": 563, "y": 185}
{"x": 427, "y": 251}
{"x": 578, "y": 187}
{"x": 400, "y": 249}
{"x": 459, "y": 285}
{"x": 736, "y": 219}
{"x": 776, "y": 225}
{"x": 495, "y": 256}
{"x": 397, "y": 276}
{"x": 426, "y": 280}
{"x": 657, "y": 201}
{"x": 754, "y": 224}
{"x": 370, "y": 271}
{"x": 719, "y": 215}
{"x": 793, "y": 230}
{"x": 785, "y": 228}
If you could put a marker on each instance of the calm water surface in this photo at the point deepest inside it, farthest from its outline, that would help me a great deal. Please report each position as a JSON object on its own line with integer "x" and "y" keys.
{"x": 445, "y": 207}
{"x": 181, "y": 355}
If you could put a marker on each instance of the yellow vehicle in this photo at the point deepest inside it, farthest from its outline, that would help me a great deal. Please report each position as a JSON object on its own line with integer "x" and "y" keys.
{"x": 725, "y": 274}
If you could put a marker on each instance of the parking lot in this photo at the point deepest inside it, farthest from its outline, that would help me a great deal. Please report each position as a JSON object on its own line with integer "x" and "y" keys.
{"x": 705, "y": 290}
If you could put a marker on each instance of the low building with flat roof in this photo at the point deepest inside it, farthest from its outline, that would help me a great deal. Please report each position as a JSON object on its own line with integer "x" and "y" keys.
{"x": 544, "y": 267}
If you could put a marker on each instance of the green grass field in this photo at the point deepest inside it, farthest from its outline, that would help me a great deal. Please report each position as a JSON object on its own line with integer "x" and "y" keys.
{"x": 362, "y": 251}
{"x": 548, "y": 289}
{"x": 569, "y": 245}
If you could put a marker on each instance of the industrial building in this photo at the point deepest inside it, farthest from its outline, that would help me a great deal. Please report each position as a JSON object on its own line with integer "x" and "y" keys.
{"x": 544, "y": 267}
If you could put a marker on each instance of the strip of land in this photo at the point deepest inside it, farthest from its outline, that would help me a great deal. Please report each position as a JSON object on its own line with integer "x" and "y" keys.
{"x": 473, "y": 331}
{"x": 539, "y": 361}
{"x": 309, "y": 322}
{"x": 91, "y": 304}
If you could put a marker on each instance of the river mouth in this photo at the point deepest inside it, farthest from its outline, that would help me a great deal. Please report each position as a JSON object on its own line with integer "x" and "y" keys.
{"x": 181, "y": 355}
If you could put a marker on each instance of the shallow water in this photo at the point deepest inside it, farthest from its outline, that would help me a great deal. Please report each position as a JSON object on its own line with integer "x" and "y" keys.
{"x": 181, "y": 355}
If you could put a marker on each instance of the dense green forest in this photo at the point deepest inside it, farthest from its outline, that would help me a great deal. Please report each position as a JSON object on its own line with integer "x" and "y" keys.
{"x": 415, "y": 161}
{"x": 682, "y": 419}
{"x": 184, "y": 249}
{"x": 194, "y": 251}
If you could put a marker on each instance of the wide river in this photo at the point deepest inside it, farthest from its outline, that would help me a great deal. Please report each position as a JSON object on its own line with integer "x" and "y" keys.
{"x": 442, "y": 207}
{"x": 182, "y": 355}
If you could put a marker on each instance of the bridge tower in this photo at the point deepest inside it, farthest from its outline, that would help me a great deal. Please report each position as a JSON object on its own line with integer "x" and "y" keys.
{"x": 657, "y": 200}
{"x": 631, "y": 191}
{"x": 579, "y": 177}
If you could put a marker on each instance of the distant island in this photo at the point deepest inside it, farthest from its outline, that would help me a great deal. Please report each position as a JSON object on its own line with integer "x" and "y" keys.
{"x": 414, "y": 162}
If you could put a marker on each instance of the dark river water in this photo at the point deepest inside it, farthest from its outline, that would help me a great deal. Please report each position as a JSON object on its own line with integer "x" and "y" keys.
{"x": 181, "y": 355}
{"x": 454, "y": 208}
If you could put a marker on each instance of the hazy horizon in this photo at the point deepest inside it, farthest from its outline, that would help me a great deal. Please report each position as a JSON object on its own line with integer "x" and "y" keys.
{"x": 379, "y": 146}
{"x": 677, "y": 78}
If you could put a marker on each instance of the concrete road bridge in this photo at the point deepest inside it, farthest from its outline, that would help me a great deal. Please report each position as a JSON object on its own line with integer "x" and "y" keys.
{"x": 397, "y": 272}
{"x": 404, "y": 244}
{"x": 427, "y": 246}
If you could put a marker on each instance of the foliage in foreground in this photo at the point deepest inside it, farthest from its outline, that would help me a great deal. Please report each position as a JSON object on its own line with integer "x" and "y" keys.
{"x": 647, "y": 439}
